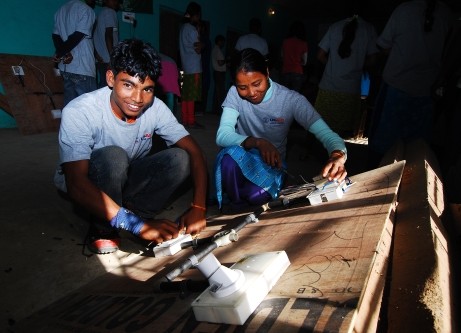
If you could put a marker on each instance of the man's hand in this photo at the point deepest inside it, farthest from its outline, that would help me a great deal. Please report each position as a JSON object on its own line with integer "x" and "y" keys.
{"x": 56, "y": 59}
{"x": 159, "y": 231}
{"x": 67, "y": 59}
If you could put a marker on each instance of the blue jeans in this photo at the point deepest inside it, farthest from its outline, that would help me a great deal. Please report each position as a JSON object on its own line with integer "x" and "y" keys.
{"x": 143, "y": 185}
{"x": 76, "y": 85}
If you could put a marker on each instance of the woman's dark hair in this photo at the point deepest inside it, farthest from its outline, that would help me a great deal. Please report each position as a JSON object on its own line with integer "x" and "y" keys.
{"x": 136, "y": 58}
{"x": 429, "y": 15}
{"x": 349, "y": 29}
{"x": 248, "y": 60}
{"x": 193, "y": 8}
{"x": 297, "y": 30}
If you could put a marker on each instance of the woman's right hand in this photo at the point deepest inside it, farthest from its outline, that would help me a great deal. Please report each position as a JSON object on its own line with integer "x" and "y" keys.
{"x": 269, "y": 153}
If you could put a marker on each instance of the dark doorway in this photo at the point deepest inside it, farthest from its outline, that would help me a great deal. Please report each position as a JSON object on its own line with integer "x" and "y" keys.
{"x": 170, "y": 22}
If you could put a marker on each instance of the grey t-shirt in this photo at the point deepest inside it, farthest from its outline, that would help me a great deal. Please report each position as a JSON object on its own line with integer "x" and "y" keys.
{"x": 88, "y": 123}
{"x": 271, "y": 119}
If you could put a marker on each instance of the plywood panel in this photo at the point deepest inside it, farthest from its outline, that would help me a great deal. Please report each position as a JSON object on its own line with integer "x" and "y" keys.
{"x": 30, "y": 98}
{"x": 338, "y": 253}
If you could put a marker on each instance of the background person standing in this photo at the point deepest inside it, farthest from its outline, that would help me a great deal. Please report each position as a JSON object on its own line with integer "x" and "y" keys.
{"x": 294, "y": 57}
{"x": 105, "y": 37}
{"x": 253, "y": 39}
{"x": 73, "y": 40}
{"x": 414, "y": 39}
{"x": 219, "y": 73}
{"x": 346, "y": 50}
{"x": 168, "y": 82}
{"x": 190, "y": 49}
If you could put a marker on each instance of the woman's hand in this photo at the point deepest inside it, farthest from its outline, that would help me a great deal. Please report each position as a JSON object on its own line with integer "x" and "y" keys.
{"x": 269, "y": 153}
{"x": 334, "y": 169}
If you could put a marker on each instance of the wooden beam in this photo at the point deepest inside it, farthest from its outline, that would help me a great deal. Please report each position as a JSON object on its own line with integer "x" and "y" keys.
{"x": 420, "y": 290}
{"x": 30, "y": 98}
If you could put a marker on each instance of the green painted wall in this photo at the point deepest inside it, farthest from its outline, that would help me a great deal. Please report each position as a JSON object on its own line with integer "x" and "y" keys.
{"x": 26, "y": 26}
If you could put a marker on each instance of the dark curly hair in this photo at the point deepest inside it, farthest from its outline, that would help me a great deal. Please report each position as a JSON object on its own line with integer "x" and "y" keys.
{"x": 136, "y": 58}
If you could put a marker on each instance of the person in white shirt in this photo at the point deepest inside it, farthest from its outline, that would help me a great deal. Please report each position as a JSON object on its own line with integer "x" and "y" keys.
{"x": 218, "y": 62}
{"x": 413, "y": 40}
{"x": 73, "y": 40}
{"x": 105, "y": 37}
{"x": 253, "y": 39}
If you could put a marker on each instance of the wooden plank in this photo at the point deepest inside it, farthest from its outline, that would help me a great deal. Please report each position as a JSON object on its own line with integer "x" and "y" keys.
{"x": 338, "y": 253}
{"x": 31, "y": 97}
{"x": 420, "y": 297}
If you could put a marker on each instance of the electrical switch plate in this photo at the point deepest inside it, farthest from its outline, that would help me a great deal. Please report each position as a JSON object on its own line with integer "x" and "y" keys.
{"x": 56, "y": 113}
{"x": 128, "y": 17}
{"x": 17, "y": 70}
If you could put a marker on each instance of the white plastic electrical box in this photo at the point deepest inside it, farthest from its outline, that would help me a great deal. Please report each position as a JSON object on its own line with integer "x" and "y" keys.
{"x": 172, "y": 246}
{"x": 328, "y": 191}
{"x": 261, "y": 272}
{"x": 18, "y": 70}
{"x": 128, "y": 17}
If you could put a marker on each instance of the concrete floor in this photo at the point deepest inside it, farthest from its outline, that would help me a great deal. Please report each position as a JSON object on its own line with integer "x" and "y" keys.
{"x": 42, "y": 236}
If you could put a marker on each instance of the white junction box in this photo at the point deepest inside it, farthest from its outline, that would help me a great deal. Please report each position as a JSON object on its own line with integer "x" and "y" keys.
{"x": 17, "y": 70}
{"x": 260, "y": 273}
{"x": 328, "y": 191}
{"x": 128, "y": 17}
{"x": 172, "y": 246}
{"x": 56, "y": 113}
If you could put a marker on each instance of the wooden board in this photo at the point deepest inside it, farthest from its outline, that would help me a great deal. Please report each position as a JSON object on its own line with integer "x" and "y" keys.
{"x": 338, "y": 253}
{"x": 30, "y": 98}
{"x": 422, "y": 284}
